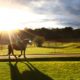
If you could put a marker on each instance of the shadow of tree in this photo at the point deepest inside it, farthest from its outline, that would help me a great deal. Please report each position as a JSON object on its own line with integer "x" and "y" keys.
{"x": 32, "y": 74}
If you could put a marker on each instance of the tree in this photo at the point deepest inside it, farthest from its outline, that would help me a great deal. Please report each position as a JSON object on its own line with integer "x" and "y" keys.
{"x": 39, "y": 41}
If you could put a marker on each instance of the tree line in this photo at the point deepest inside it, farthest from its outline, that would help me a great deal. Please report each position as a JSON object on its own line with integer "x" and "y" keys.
{"x": 67, "y": 34}
{"x": 63, "y": 34}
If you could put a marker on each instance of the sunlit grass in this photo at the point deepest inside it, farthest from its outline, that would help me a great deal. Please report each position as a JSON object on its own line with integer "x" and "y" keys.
{"x": 44, "y": 51}
{"x": 4, "y": 71}
{"x": 40, "y": 70}
{"x": 66, "y": 48}
{"x": 52, "y": 51}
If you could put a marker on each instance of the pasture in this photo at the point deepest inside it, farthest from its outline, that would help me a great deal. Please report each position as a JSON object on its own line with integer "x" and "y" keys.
{"x": 42, "y": 70}
{"x": 51, "y": 70}
{"x": 47, "y": 48}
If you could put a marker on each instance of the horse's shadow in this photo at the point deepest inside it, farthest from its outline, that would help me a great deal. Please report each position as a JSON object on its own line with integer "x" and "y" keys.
{"x": 32, "y": 74}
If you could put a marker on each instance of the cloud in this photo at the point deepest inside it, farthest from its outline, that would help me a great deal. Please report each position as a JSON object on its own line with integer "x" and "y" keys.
{"x": 72, "y": 6}
{"x": 64, "y": 12}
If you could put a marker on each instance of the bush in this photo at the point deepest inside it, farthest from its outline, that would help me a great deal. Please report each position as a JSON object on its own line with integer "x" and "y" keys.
{"x": 39, "y": 41}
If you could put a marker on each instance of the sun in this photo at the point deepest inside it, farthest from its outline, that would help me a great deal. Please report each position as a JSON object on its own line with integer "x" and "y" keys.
{"x": 9, "y": 19}
{"x": 13, "y": 18}
{"x": 8, "y": 28}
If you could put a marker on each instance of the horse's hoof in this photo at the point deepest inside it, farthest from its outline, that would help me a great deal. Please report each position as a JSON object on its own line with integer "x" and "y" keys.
{"x": 19, "y": 56}
{"x": 25, "y": 57}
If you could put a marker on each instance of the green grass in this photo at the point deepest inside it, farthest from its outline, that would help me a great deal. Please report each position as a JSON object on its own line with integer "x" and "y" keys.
{"x": 37, "y": 50}
{"x": 54, "y": 48}
{"x": 53, "y": 51}
{"x": 40, "y": 70}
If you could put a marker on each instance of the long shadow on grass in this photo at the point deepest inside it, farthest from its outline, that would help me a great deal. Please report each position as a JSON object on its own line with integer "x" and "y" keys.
{"x": 34, "y": 73}
{"x": 31, "y": 74}
{"x": 15, "y": 74}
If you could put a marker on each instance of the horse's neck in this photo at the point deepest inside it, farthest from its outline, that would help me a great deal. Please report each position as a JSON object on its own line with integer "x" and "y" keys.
{"x": 21, "y": 43}
{"x": 25, "y": 44}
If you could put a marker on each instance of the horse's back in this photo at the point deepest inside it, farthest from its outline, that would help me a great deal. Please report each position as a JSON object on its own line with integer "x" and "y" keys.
{"x": 18, "y": 47}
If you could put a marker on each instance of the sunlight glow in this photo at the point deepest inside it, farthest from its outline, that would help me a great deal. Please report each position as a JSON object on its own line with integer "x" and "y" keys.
{"x": 12, "y": 18}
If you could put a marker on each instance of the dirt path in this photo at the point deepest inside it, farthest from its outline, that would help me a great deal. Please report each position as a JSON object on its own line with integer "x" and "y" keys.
{"x": 52, "y": 55}
{"x": 41, "y": 56}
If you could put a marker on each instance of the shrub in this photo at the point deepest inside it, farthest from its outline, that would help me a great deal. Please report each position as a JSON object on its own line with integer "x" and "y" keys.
{"x": 39, "y": 41}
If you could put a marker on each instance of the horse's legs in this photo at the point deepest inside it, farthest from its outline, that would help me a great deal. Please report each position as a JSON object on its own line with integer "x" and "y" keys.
{"x": 24, "y": 54}
{"x": 9, "y": 52}
{"x": 9, "y": 55}
{"x": 20, "y": 54}
{"x": 14, "y": 54}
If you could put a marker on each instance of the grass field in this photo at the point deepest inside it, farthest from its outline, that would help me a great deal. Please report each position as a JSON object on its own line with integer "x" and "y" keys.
{"x": 48, "y": 48}
{"x": 40, "y": 70}
{"x": 44, "y": 70}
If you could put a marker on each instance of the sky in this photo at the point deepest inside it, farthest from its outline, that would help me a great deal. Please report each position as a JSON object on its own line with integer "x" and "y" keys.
{"x": 39, "y": 13}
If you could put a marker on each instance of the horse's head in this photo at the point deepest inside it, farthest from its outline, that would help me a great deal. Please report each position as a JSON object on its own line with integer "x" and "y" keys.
{"x": 30, "y": 42}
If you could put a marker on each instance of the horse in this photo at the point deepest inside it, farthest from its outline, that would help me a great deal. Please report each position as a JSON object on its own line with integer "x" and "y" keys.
{"x": 21, "y": 45}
